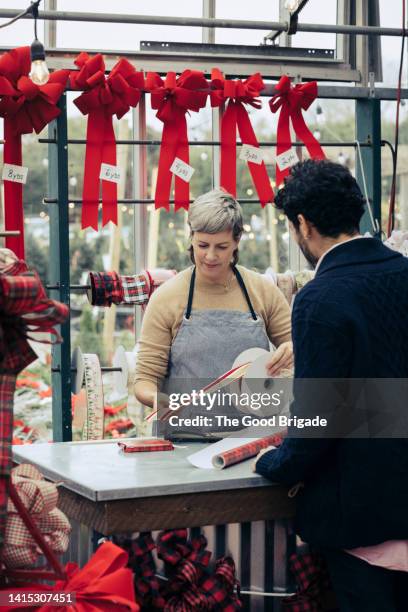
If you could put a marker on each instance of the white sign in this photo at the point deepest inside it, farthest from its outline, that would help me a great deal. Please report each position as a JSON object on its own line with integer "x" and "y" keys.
{"x": 287, "y": 159}
{"x": 110, "y": 173}
{"x": 15, "y": 174}
{"x": 181, "y": 169}
{"x": 251, "y": 154}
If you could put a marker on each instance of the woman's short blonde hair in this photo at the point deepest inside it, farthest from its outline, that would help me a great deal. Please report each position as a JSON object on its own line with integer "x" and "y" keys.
{"x": 213, "y": 212}
{"x": 216, "y": 211}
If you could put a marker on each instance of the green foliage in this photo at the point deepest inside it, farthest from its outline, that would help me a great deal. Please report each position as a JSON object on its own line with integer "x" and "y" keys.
{"x": 89, "y": 337}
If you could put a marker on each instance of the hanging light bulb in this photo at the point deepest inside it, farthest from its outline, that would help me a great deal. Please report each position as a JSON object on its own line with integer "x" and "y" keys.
{"x": 39, "y": 73}
{"x": 292, "y": 5}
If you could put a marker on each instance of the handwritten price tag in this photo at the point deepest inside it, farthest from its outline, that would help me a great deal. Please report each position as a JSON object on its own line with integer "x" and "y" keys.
{"x": 251, "y": 154}
{"x": 287, "y": 159}
{"x": 15, "y": 174}
{"x": 110, "y": 173}
{"x": 181, "y": 169}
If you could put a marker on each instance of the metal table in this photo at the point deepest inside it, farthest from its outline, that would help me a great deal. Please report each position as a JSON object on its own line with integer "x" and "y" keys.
{"x": 113, "y": 492}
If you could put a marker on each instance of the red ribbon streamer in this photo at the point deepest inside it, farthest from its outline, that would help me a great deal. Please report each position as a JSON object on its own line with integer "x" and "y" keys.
{"x": 236, "y": 116}
{"x": 25, "y": 107}
{"x": 102, "y": 98}
{"x": 292, "y": 100}
{"x": 172, "y": 98}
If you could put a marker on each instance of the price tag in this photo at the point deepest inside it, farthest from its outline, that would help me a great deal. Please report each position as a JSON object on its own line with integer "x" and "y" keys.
{"x": 110, "y": 173}
{"x": 287, "y": 159}
{"x": 181, "y": 169}
{"x": 15, "y": 174}
{"x": 251, "y": 154}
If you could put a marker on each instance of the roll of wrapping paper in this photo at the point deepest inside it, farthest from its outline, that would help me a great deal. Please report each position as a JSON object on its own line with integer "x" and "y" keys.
{"x": 220, "y": 382}
{"x": 245, "y": 451}
{"x": 89, "y": 409}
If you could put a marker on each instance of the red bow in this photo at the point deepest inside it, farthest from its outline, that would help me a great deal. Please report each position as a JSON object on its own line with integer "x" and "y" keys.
{"x": 25, "y": 107}
{"x": 102, "y": 98}
{"x": 236, "y": 116}
{"x": 292, "y": 100}
{"x": 172, "y": 98}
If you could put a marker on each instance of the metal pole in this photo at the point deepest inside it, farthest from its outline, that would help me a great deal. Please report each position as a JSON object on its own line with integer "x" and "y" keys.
{"x": 368, "y": 125}
{"x": 59, "y": 272}
{"x": 206, "y": 23}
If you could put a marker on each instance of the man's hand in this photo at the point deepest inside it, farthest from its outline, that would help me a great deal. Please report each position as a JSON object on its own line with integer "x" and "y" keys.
{"x": 282, "y": 359}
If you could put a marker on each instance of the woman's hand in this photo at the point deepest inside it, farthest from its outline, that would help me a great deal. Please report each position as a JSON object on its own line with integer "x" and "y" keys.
{"x": 282, "y": 359}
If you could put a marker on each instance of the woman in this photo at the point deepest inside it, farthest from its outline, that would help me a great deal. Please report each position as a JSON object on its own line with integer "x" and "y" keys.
{"x": 198, "y": 322}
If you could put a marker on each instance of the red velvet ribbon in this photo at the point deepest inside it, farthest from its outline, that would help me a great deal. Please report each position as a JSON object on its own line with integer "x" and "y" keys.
{"x": 172, "y": 98}
{"x": 25, "y": 107}
{"x": 236, "y": 116}
{"x": 102, "y": 98}
{"x": 292, "y": 100}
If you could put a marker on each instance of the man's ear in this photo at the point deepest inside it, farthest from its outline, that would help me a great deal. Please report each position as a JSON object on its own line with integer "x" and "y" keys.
{"x": 305, "y": 227}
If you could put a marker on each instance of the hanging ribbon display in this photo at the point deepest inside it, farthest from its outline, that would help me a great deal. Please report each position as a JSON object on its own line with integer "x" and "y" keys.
{"x": 292, "y": 100}
{"x": 102, "y": 98}
{"x": 238, "y": 93}
{"x": 26, "y": 107}
{"x": 172, "y": 98}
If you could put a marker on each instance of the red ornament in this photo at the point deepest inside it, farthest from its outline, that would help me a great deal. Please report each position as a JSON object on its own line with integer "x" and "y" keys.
{"x": 238, "y": 93}
{"x": 103, "y": 97}
{"x": 292, "y": 100}
{"x": 172, "y": 98}
{"x": 25, "y": 107}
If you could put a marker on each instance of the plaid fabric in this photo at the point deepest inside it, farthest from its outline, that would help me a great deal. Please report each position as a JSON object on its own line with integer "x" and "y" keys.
{"x": 40, "y": 498}
{"x": 190, "y": 583}
{"x": 245, "y": 451}
{"x": 24, "y": 307}
{"x": 312, "y": 580}
{"x": 7, "y": 387}
{"x": 106, "y": 288}
{"x": 10, "y": 264}
{"x": 136, "y": 289}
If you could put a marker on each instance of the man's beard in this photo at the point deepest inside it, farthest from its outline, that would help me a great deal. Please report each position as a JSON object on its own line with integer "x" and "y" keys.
{"x": 303, "y": 245}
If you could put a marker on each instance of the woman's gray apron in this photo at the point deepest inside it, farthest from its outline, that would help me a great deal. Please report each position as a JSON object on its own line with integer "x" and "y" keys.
{"x": 206, "y": 346}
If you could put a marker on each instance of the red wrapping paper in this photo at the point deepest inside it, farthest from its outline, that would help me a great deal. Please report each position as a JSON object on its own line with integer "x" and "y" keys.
{"x": 102, "y": 98}
{"x": 26, "y": 107}
{"x": 245, "y": 451}
{"x": 291, "y": 101}
{"x": 238, "y": 93}
{"x": 173, "y": 98}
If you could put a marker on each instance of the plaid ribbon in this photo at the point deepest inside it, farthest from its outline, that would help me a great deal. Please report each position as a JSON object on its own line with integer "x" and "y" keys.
{"x": 24, "y": 308}
{"x": 190, "y": 584}
{"x": 40, "y": 498}
{"x": 7, "y": 387}
{"x": 106, "y": 288}
{"x": 312, "y": 580}
{"x": 136, "y": 289}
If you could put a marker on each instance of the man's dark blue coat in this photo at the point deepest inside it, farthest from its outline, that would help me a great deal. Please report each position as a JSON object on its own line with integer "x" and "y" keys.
{"x": 351, "y": 321}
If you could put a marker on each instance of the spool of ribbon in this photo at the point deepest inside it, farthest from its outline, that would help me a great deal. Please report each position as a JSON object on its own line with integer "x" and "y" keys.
{"x": 40, "y": 498}
{"x": 238, "y": 93}
{"x": 126, "y": 362}
{"x": 102, "y": 98}
{"x": 25, "y": 107}
{"x": 291, "y": 100}
{"x": 105, "y": 288}
{"x": 88, "y": 419}
{"x": 173, "y": 98}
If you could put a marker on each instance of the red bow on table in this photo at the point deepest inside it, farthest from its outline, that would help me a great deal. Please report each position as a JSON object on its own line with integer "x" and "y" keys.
{"x": 292, "y": 100}
{"x": 172, "y": 98}
{"x": 103, "y": 97}
{"x": 25, "y": 107}
{"x": 236, "y": 116}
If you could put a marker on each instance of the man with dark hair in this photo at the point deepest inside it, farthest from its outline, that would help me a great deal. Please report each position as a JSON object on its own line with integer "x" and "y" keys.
{"x": 350, "y": 322}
